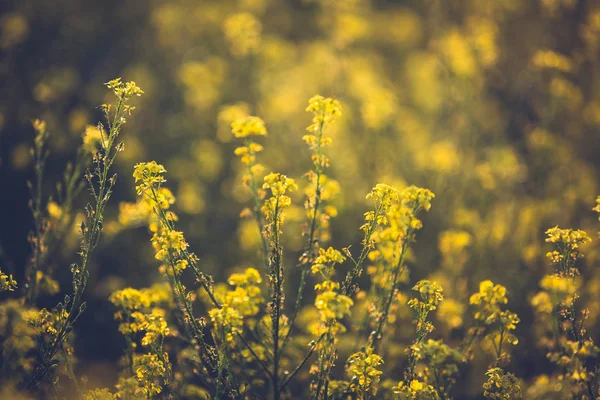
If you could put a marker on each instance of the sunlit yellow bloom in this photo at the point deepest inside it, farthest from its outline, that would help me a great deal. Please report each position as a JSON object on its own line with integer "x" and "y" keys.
{"x": 362, "y": 369}
{"x": 243, "y": 32}
{"x": 248, "y": 126}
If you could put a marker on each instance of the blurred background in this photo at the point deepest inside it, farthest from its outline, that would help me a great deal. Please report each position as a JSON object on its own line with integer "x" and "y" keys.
{"x": 493, "y": 105}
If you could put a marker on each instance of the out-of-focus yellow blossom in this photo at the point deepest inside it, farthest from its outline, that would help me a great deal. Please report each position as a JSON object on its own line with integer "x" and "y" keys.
{"x": 362, "y": 370}
{"x": 542, "y": 303}
{"x": 134, "y": 214}
{"x": 548, "y": 59}
{"x": 451, "y": 313}
{"x": 455, "y": 46}
{"x": 190, "y": 197}
{"x": 243, "y": 33}
{"x": 483, "y": 35}
{"x": 14, "y": 30}
{"x": 567, "y": 91}
{"x": 92, "y": 137}
{"x": 98, "y": 394}
{"x": 207, "y": 154}
{"x": 562, "y": 289}
{"x": 55, "y": 211}
{"x": 226, "y": 116}
{"x": 553, "y": 6}
{"x": 203, "y": 81}
{"x": 46, "y": 284}
{"x": 133, "y": 299}
{"x": 441, "y": 156}
{"x": 454, "y": 241}
{"x": 502, "y": 167}
{"x": 348, "y": 28}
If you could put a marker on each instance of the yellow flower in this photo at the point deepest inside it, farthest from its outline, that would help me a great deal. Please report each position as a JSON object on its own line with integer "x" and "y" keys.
{"x": 363, "y": 372}
{"x": 7, "y": 283}
{"x": 124, "y": 90}
{"x": 430, "y": 293}
{"x": 148, "y": 369}
{"x": 248, "y": 126}
{"x": 332, "y": 305}
{"x": 325, "y": 110}
{"x": 150, "y": 174}
{"x": 168, "y": 243}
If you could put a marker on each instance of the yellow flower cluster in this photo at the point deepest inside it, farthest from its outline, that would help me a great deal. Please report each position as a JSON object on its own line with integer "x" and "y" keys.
{"x": 332, "y": 305}
{"x": 430, "y": 293}
{"x": 149, "y": 370}
{"x": 98, "y": 394}
{"x": 248, "y": 127}
{"x": 488, "y": 311}
{"x": 154, "y": 325}
{"x": 325, "y": 109}
{"x": 169, "y": 244}
{"x": 138, "y": 312}
{"x": 49, "y": 323}
{"x": 279, "y": 185}
{"x": 383, "y": 197}
{"x": 7, "y": 283}
{"x": 501, "y": 385}
{"x": 326, "y": 260}
{"x": 567, "y": 242}
{"x": 124, "y": 90}
{"x": 248, "y": 153}
{"x": 133, "y": 214}
{"x": 134, "y": 299}
{"x": 243, "y": 301}
{"x": 488, "y": 300}
{"x": 417, "y": 198}
{"x": 415, "y": 390}
{"x": 151, "y": 176}
{"x": 362, "y": 370}
{"x": 19, "y": 336}
{"x": 573, "y": 359}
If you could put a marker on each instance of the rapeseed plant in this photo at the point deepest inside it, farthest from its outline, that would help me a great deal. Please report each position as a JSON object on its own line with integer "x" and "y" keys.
{"x": 250, "y": 343}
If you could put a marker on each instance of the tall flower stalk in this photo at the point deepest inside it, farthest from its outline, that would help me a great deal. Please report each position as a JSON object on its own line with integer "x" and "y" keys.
{"x": 100, "y": 184}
